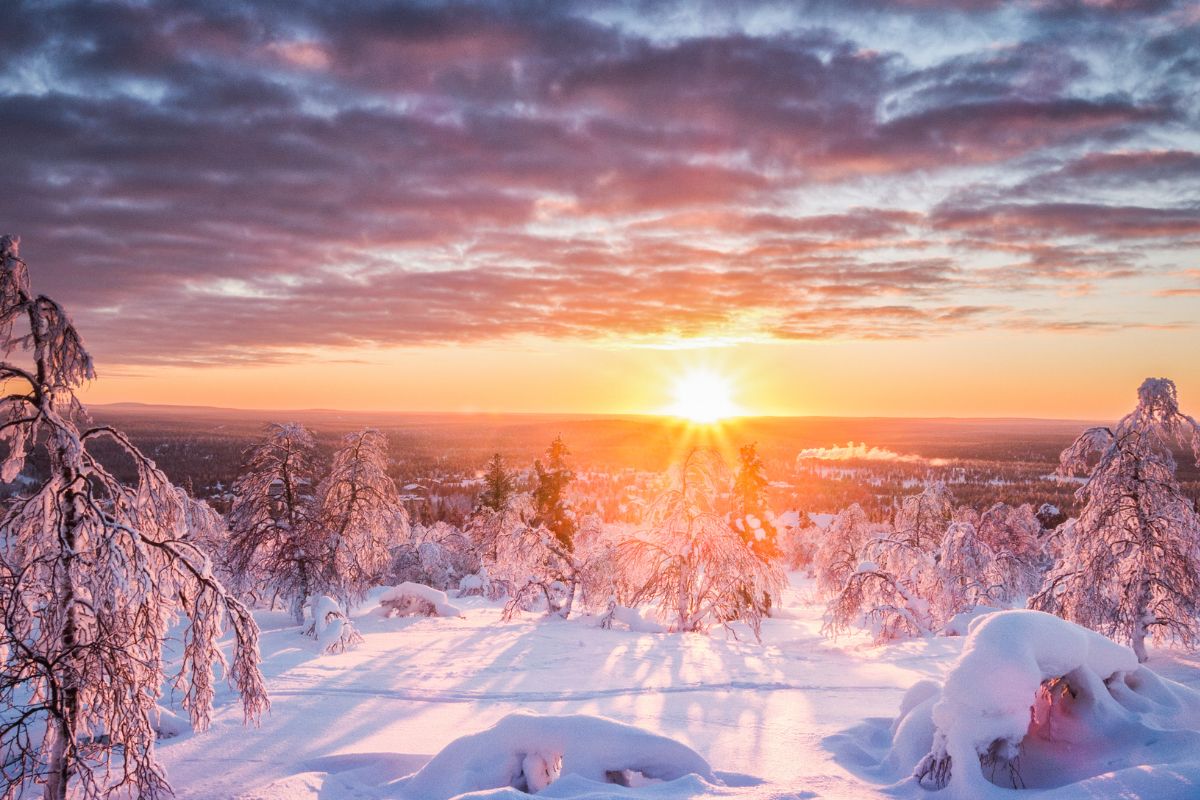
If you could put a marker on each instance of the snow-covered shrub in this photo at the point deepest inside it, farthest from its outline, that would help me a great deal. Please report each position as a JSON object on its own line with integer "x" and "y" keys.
{"x": 1036, "y": 702}
{"x": 480, "y": 584}
{"x": 331, "y": 626}
{"x": 1129, "y": 566}
{"x": 414, "y": 599}
{"x": 689, "y": 562}
{"x": 437, "y": 555}
{"x": 528, "y": 752}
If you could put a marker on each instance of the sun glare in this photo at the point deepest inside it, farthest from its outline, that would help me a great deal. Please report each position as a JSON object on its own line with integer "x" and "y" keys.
{"x": 703, "y": 396}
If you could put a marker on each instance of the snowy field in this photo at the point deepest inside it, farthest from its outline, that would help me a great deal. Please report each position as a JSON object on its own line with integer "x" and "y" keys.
{"x": 795, "y": 716}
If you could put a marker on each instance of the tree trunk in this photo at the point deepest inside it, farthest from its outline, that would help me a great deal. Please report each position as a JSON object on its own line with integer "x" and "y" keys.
{"x": 62, "y": 766}
{"x": 1140, "y": 624}
{"x": 565, "y": 610}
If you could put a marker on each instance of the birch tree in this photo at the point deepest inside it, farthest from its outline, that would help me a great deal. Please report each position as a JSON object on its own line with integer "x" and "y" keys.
{"x": 275, "y": 543}
{"x": 94, "y": 572}
{"x": 359, "y": 515}
{"x": 689, "y": 561}
{"x": 1130, "y": 564}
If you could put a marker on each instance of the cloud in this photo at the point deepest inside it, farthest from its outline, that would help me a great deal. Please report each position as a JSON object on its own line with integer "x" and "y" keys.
{"x": 218, "y": 181}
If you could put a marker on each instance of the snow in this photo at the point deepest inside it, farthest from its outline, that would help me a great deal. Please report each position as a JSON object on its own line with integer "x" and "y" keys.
{"x": 529, "y": 752}
{"x": 413, "y": 598}
{"x": 1049, "y": 707}
{"x": 988, "y": 692}
{"x": 796, "y": 716}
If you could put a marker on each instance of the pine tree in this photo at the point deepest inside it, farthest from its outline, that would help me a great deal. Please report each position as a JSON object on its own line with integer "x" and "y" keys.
{"x": 551, "y": 507}
{"x": 93, "y": 573}
{"x": 1130, "y": 564}
{"x": 752, "y": 516}
{"x": 498, "y": 485}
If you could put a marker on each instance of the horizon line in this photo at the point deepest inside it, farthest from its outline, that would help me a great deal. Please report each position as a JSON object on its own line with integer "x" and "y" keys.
{"x": 574, "y": 414}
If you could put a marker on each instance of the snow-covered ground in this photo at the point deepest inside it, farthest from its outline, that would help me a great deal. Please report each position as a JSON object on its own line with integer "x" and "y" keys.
{"x": 775, "y": 719}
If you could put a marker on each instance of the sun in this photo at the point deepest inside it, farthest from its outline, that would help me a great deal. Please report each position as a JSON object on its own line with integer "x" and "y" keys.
{"x": 703, "y": 396}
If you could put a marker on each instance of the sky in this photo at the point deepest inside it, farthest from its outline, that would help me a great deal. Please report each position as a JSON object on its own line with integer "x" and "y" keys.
{"x": 904, "y": 208}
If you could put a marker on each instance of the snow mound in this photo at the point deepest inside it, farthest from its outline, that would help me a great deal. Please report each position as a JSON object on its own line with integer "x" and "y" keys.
{"x": 1038, "y": 703}
{"x": 1041, "y": 704}
{"x": 633, "y": 619}
{"x": 414, "y": 599}
{"x": 572, "y": 755}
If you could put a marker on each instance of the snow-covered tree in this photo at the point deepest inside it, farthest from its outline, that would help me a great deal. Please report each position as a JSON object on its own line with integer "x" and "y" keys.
{"x": 359, "y": 515}
{"x": 689, "y": 562}
{"x": 1014, "y": 535}
{"x": 530, "y": 545}
{"x": 275, "y": 543}
{"x": 552, "y": 508}
{"x": 838, "y": 551}
{"x": 913, "y": 580}
{"x": 752, "y": 515}
{"x": 498, "y": 485}
{"x": 1131, "y": 567}
{"x": 888, "y": 591}
{"x": 972, "y": 572}
{"x": 93, "y": 574}
{"x": 922, "y": 518}
{"x": 537, "y": 568}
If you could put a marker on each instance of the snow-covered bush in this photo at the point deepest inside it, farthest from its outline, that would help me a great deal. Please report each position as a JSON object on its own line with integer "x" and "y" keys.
{"x": 414, "y": 600}
{"x": 94, "y": 573}
{"x": 437, "y": 555}
{"x": 1036, "y": 702}
{"x": 528, "y": 752}
{"x": 689, "y": 562}
{"x": 480, "y": 584}
{"x": 799, "y": 539}
{"x": 331, "y": 626}
{"x": 1129, "y": 566}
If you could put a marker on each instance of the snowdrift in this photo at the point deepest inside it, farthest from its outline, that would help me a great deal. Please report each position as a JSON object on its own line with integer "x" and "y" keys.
{"x": 578, "y": 754}
{"x": 1038, "y": 703}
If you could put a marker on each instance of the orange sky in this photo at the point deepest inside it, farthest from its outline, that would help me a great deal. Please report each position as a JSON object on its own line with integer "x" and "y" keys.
{"x": 1092, "y": 376}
